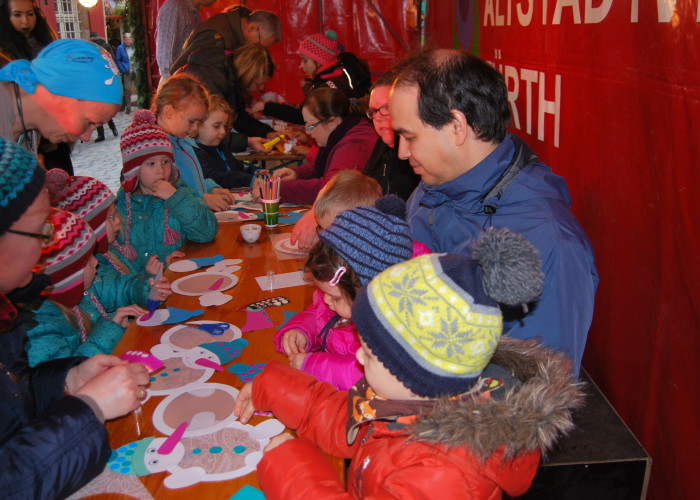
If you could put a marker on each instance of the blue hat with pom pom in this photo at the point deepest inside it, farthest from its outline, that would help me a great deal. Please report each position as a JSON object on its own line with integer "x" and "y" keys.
{"x": 370, "y": 239}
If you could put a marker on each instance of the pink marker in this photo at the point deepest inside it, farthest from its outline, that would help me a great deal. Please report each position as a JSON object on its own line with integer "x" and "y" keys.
{"x": 169, "y": 444}
{"x": 207, "y": 363}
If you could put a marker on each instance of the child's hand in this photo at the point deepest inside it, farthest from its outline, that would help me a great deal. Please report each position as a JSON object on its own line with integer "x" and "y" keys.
{"x": 277, "y": 440}
{"x": 121, "y": 317}
{"x": 244, "y": 408}
{"x": 153, "y": 266}
{"x": 294, "y": 342}
{"x": 177, "y": 254}
{"x": 285, "y": 173}
{"x": 225, "y": 192}
{"x": 297, "y": 360}
{"x": 256, "y": 144}
{"x": 217, "y": 202}
{"x": 304, "y": 234}
{"x": 163, "y": 189}
{"x": 163, "y": 287}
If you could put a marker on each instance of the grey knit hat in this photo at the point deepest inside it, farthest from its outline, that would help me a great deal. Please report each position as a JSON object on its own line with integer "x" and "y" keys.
{"x": 370, "y": 239}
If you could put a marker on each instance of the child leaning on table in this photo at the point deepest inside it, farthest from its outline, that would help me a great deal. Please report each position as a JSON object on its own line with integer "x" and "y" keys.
{"x": 180, "y": 105}
{"x": 215, "y": 157}
{"x": 71, "y": 321}
{"x": 445, "y": 408}
{"x": 359, "y": 244}
{"x": 157, "y": 209}
{"x": 92, "y": 201}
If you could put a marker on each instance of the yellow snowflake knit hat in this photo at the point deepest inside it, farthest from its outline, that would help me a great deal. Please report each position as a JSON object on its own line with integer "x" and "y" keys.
{"x": 434, "y": 321}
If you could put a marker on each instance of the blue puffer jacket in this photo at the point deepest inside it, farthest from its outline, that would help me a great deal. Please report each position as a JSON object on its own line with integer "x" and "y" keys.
{"x": 188, "y": 215}
{"x": 114, "y": 290}
{"x": 449, "y": 217}
{"x": 50, "y": 444}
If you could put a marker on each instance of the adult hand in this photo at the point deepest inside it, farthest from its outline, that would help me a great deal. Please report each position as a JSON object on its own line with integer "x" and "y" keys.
{"x": 304, "y": 234}
{"x": 163, "y": 286}
{"x": 90, "y": 368}
{"x": 277, "y": 440}
{"x": 285, "y": 173}
{"x": 294, "y": 341}
{"x": 297, "y": 360}
{"x": 216, "y": 202}
{"x": 163, "y": 189}
{"x": 153, "y": 266}
{"x": 256, "y": 144}
{"x": 118, "y": 390}
{"x": 244, "y": 408}
{"x": 177, "y": 254}
{"x": 122, "y": 315}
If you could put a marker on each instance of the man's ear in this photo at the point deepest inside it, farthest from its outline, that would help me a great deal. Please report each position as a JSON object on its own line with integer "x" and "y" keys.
{"x": 461, "y": 128}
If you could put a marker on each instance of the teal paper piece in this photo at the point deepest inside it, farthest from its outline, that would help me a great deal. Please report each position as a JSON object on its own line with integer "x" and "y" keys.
{"x": 287, "y": 316}
{"x": 248, "y": 492}
{"x": 181, "y": 315}
{"x": 206, "y": 261}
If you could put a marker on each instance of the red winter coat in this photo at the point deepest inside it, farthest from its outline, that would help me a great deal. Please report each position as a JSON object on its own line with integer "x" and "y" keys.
{"x": 436, "y": 457}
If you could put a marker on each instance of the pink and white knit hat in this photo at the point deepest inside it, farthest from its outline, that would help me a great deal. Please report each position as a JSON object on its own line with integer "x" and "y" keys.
{"x": 86, "y": 197}
{"x": 141, "y": 140}
{"x": 65, "y": 259}
{"x": 324, "y": 49}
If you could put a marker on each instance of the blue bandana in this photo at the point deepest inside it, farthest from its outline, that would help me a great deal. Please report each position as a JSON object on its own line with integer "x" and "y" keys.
{"x": 69, "y": 68}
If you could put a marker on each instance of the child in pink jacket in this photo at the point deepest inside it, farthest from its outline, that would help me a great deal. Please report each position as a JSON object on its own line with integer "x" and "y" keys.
{"x": 359, "y": 244}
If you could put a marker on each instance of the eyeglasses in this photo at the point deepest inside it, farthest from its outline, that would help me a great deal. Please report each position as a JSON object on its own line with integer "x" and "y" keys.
{"x": 309, "y": 128}
{"x": 46, "y": 235}
{"x": 372, "y": 112}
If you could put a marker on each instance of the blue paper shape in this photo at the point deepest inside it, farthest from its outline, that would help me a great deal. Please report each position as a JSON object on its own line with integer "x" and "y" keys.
{"x": 290, "y": 218}
{"x": 248, "y": 492}
{"x": 246, "y": 372}
{"x": 226, "y": 351}
{"x": 206, "y": 261}
{"x": 287, "y": 316}
{"x": 181, "y": 315}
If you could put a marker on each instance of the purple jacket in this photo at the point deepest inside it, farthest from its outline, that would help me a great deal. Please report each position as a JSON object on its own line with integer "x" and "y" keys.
{"x": 337, "y": 364}
{"x": 351, "y": 152}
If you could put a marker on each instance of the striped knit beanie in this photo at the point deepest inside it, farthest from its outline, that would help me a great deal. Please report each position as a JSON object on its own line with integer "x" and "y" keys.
{"x": 86, "y": 197}
{"x": 141, "y": 140}
{"x": 324, "y": 49}
{"x": 370, "y": 239}
{"x": 21, "y": 181}
{"x": 434, "y": 321}
{"x": 65, "y": 259}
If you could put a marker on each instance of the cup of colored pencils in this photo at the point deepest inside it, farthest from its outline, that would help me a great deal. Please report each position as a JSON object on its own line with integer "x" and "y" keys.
{"x": 271, "y": 200}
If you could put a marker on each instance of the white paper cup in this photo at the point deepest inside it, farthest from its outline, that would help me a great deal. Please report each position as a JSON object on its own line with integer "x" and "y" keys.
{"x": 250, "y": 232}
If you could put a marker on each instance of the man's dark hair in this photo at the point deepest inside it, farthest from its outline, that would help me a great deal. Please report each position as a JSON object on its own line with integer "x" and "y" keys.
{"x": 450, "y": 79}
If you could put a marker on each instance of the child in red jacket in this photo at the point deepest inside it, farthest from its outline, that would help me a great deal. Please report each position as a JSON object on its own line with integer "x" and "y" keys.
{"x": 447, "y": 408}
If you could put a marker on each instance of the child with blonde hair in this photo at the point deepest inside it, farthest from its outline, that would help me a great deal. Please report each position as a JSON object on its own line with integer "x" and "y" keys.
{"x": 214, "y": 155}
{"x": 359, "y": 243}
{"x": 179, "y": 106}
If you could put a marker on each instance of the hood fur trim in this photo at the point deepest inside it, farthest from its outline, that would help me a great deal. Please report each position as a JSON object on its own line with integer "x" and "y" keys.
{"x": 528, "y": 417}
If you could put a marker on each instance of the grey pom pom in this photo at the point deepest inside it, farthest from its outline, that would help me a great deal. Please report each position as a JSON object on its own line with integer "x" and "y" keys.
{"x": 392, "y": 205}
{"x": 512, "y": 266}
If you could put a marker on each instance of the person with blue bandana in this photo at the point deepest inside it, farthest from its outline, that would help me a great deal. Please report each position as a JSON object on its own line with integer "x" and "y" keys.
{"x": 67, "y": 91}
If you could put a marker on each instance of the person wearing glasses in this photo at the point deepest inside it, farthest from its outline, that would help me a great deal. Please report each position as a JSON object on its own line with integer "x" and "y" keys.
{"x": 52, "y": 437}
{"x": 345, "y": 139}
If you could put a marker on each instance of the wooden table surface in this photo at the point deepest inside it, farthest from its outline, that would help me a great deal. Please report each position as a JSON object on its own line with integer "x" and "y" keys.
{"x": 275, "y": 158}
{"x": 257, "y": 258}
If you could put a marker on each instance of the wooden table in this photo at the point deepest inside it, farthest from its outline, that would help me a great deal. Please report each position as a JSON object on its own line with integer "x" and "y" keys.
{"x": 275, "y": 158}
{"x": 257, "y": 258}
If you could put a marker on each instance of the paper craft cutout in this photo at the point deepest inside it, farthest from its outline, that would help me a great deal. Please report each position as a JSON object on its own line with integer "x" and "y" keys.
{"x": 256, "y": 320}
{"x": 262, "y": 304}
{"x": 186, "y": 265}
{"x": 248, "y": 492}
{"x": 169, "y": 445}
{"x": 237, "y": 216}
{"x": 146, "y": 359}
{"x": 225, "y": 351}
{"x": 283, "y": 245}
{"x": 228, "y": 453}
{"x": 168, "y": 316}
{"x": 201, "y": 283}
{"x": 290, "y": 218}
{"x": 206, "y": 363}
{"x": 125, "y": 486}
{"x": 178, "y": 373}
{"x": 284, "y": 280}
{"x": 287, "y": 316}
{"x": 246, "y": 372}
{"x": 183, "y": 337}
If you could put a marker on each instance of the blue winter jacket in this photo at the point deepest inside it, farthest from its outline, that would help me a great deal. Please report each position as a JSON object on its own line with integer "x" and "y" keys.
{"x": 122, "y": 59}
{"x": 188, "y": 165}
{"x": 449, "y": 217}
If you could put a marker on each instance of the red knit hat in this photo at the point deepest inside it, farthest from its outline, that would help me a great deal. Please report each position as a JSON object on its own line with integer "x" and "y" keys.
{"x": 324, "y": 49}
{"x": 65, "y": 259}
{"x": 86, "y": 197}
{"x": 141, "y": 140}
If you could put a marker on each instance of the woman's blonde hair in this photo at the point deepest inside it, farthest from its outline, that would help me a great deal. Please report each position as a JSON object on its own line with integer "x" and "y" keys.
{"x": 252, "y": 62}
{"x": 177, "y": 90}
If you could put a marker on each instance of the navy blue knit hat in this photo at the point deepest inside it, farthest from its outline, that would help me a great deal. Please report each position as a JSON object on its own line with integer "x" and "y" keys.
{"x": 370, "y": 239}
{"x": 21, "y": 181}
{"x": 434, "y": 321}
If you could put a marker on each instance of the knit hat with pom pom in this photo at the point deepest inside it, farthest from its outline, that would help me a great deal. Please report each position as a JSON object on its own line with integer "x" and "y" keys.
{"x": 434, "y": 321}
{"x": 86, "y": 197}
{"x": 324, "y": 49}
{"x": 141, "y": 140}
{"x": 370, "y": 239}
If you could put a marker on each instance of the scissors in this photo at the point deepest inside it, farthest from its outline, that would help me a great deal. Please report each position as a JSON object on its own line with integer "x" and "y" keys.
{"x": 213, "y": 328}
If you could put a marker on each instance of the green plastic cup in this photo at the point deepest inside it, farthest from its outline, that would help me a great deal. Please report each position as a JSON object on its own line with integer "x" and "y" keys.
{"x": 271, "y": 212}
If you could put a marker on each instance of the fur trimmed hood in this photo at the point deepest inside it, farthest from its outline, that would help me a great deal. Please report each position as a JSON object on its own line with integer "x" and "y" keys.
{"x": 532, "y": 415}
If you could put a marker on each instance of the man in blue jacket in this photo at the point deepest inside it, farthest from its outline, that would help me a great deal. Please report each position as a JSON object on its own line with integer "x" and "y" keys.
{"x": 125, "y": 54}
{"x": 451, "y": 112}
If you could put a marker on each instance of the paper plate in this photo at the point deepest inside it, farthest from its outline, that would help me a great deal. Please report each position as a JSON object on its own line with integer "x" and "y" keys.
{"x": 284, "y": 246}
{"x": 200, "y": 283}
